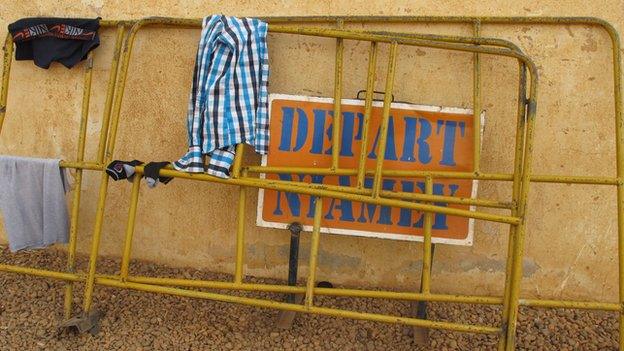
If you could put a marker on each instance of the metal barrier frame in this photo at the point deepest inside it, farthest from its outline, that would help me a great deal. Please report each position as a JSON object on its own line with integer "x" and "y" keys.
{"x": 521, "y": 165}
{"x": 79, "y": 164}
{"x": 510, "y": 300}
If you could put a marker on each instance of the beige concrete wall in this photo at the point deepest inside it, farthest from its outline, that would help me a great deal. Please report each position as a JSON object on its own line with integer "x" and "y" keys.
{"x": 571, "y": 242}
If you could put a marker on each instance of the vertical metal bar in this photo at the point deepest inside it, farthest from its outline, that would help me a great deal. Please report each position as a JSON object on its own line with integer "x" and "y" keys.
{"x": 421, "y": 334}
{"x": 518, "y": 155}
{"x": 240, "y": 232}
{"x": 476, "y": 105}
{"x": 127, "y": 251}
{"x": 383, "y": 137}
{"x": 336, "y": 125}
{"x": 238, "y": 160}
{"x": 6, "y": 73}
{"x": 293, "y": 257}
{"x": 426, "y": 264}
{"x": 110, "y": 147}
{"x": 368, "y": 109}
{"x": 516, "y": 277}
{"x": 619, "y": 152}
{"x": 240, "y": 229}
{"x": 110, "y": 93}
{"x": 419, "y": 309}
{"x": 314, "y": 248}
{"x": 73, "y": 226}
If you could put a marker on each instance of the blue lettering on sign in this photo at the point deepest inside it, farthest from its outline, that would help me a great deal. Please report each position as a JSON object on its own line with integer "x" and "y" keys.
{"x": 288, "y": 117}
{"x": 346, "y": 140}
{"x": 410, "y": 141}
{"x": 368, "y": 212}
{"x": 415, "y": 148}
{"x": 385, "y": 212}
{"x": 405, "y": 215}
{"x": 424, "y": 151}
{"x": 345, "y": 206}
{"x": 390, "y": 149}
{"x": 448, "y": 149}
{"x": 293, "y": 200}
{"x": 416, "y": 133}
{"x": 319, "y": 128}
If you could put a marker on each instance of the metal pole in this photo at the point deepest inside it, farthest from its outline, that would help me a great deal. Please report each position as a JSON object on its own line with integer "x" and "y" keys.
{"x": 293, "y": 257}
{"x": 240, "y": 233}
{"x": 337, "y": 121}
{"x": 110, "y": 93}
{"x": 127, "y": 251}
{"x": 6, "y": 73}
{"x": 427, "y": 247}
{"x": 368, "y": 109}
{"x": 476, "y": 104}
{"x": 99, "y": 215}
{"x": 518, "y": 252}
{"x": 314, "y": 250}
{"x": 383, "y": 131}
{"x": 240, "y": 222}
{"x": 518, "y": 156}
{"x": 73, "y": 226}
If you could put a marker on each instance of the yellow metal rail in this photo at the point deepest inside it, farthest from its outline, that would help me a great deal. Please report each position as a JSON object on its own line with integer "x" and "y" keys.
{"x": 321, "y": 191}
{"x": 521, "y": 177}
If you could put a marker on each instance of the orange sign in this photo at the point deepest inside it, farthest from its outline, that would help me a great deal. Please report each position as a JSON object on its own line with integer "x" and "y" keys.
{"x": 419, "y": 138}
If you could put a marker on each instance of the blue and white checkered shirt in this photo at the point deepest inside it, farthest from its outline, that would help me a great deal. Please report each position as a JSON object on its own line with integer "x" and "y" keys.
{"x": 229, "y": 98}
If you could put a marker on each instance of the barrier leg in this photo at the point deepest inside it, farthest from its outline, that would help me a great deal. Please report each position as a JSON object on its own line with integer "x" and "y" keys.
{"x": 519, "y": 151}
{"x": 240, "y": 220}
{"x": 71, "y": 255}
{"x": 293, "y": 257}
{"x": 134, "y": 200}
{"x": 286, "y": 318}
{"x": 419, "y": 309}
{"x": 314, "y": 248}
{"x": 99, "y": 214}
{"x": 518, "y": 252}
{"x": 421, "y": 335}
{"x": 619, "y": 152}
{"x": 73, "y": 226}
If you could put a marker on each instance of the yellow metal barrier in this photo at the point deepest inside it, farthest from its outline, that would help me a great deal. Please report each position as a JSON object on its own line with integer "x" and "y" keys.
{"x": 79, "y": 164}
{"x": 521, "y": 176}
{"x": 374, "y": 197}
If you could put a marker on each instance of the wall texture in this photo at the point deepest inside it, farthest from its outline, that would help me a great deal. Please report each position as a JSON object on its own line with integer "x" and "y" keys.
{"x": 571, "y": 243}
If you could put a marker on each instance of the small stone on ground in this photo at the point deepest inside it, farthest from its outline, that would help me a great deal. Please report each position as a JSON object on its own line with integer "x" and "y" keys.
{"x": 31, "y": 310}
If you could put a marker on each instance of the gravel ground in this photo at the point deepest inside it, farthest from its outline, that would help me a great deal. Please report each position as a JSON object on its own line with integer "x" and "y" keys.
{"x": 31, "y": 309}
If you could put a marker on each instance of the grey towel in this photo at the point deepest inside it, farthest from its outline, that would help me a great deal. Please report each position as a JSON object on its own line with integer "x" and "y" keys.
{"x": 32, "y": 201}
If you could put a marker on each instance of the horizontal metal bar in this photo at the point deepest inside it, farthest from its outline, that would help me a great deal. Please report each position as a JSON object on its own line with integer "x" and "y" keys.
{"x": 269, "y": 184}
{"x": 286, "y": 289}
{"x": 584, "y": 305}
{"x": 94, "y": 166}
{"x": 115, "y": 23}
{"x": 589, "y": 180}
{"x": 401, "y": 195}
{"x": 353, "y": 35}
{"x": 487, "y": 300}
{"x": 439, "y": 19}
{"x": 299, "y": 308}
{"x": 510, "y": 20}
{"x": 537, "y": 178}
{"x": 41, "y": 273}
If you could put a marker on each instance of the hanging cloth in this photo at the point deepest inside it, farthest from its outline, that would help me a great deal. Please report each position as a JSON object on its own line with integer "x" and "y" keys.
{"x": 228, "y": 104}
{"x": 47, "y": 39}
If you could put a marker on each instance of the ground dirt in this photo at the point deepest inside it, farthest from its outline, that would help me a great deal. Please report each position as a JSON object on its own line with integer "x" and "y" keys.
{"x": 31, "y": 310}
